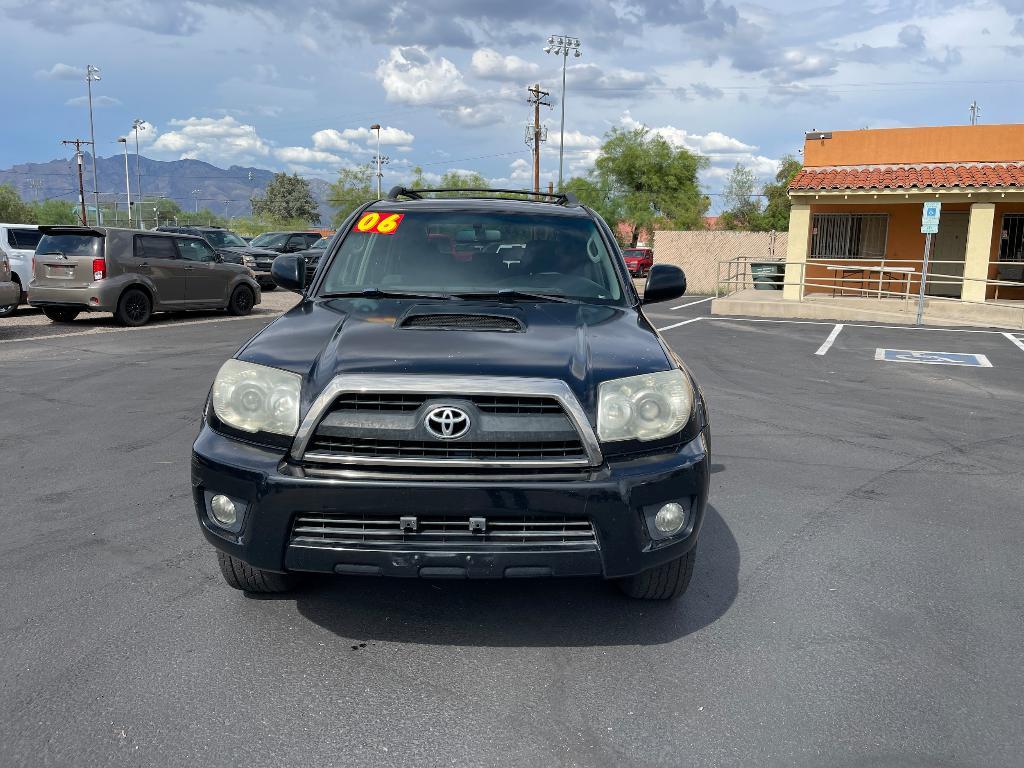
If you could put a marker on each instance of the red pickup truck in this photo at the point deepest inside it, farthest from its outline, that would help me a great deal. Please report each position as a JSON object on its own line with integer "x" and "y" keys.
{"x": 639, "y": 261}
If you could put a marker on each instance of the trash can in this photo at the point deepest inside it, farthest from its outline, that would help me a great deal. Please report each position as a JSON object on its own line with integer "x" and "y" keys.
{"x": 768, "y": 275}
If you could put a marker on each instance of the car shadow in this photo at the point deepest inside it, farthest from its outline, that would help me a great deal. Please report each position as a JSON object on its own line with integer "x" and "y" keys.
{"x": 542, "y": 613}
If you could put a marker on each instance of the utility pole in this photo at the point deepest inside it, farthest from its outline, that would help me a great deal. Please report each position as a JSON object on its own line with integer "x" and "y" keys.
{"x": 540, "y": 133}
{"x": 81, "y": 183}
{"x": 975, "y": 111}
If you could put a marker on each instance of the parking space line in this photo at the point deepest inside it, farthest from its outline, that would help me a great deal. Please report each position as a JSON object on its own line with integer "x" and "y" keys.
{"x": 699, "y": 301}
{"x": 684, "y": 322}
{"x": 851, "y": 325}
{"x": 101, "y": 331}
{"x": 1014, "y": 340}
{"x": 823, "y": 349}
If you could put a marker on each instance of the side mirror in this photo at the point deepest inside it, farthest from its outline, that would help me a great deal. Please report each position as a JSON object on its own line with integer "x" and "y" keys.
{"x": 664, "y": 283}
{"x": 289, "y": 272}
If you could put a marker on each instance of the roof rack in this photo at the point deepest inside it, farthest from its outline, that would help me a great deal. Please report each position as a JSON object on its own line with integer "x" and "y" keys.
{"x": 480, "y": 193}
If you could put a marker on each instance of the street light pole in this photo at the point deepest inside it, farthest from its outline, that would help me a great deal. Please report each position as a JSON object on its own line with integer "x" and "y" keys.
{"x": 136, "y": 124}
{"x": 93, "y": 73}
{"x": 127, "y": 178}
{"x": 376, "y": 127}
{"x": 195, "y": 196}
{"x": 561, "y": 45}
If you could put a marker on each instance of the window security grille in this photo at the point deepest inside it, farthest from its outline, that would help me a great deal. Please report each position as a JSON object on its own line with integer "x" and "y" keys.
{"x": 849, "y": 235}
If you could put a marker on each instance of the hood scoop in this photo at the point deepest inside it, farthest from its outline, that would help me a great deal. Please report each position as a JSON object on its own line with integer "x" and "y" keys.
{"x": 460, "y": 321}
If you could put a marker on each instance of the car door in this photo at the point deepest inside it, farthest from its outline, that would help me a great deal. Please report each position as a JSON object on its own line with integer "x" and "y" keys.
{"x": 156, "y": 258}
{"x": 206, "y": 282}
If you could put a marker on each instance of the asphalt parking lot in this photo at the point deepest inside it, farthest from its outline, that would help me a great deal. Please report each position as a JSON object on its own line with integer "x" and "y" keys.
{"x": 857, "y": 598}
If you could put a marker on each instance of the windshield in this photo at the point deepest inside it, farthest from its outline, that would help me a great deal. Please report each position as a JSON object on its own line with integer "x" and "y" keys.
{"x": 469, "y": 251}
{"x": 320, "y": 244}
{"x": 223, "y": 239}
{"x": 24, "y": 239}
{"x": 634, "y": 253}
{"x": 269, "y": 239}
{"x": 70, "y": 245}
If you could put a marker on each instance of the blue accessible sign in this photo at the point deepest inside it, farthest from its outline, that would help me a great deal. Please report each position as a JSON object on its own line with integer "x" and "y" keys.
{"x": 932, "y": 358}
{"x": 930, "y": 218}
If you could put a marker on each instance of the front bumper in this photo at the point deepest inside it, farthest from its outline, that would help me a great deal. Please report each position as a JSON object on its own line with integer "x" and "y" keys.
{"x": 616, "y": 499}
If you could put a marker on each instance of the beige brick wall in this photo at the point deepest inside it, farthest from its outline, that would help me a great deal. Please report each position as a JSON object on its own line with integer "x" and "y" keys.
{"x": 699, "y": 253}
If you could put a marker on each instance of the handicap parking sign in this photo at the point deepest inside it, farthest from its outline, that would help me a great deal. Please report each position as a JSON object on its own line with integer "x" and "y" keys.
{"x": 932, "y": 358}
{"x": 930, "y": 217}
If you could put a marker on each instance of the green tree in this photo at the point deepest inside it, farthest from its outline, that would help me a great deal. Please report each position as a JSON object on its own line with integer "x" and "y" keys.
{"x": 353, "y": 188}
{"x": 641, "y": 179}
{"x": 743, "y": 207}
{"x": 55, "y": 211}
{"x": 13, "y": 208}
{"x": 287, "y": 197}
{"x": 776, "y": 211}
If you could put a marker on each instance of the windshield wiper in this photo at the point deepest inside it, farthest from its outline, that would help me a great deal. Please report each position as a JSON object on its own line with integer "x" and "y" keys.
{"x": 52, "y": 253}
{"x": 513, "y": 294}
{"x": 378, "y": 293}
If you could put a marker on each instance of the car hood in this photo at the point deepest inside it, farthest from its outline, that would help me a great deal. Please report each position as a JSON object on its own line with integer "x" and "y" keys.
{"x": 250, "y": 251}
{"x": 580, "y": 344}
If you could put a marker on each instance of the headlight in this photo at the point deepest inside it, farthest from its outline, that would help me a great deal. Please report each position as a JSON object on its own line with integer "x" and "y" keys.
{"x": 645, "y": 407}
{"x": 255, "y": 398}
{"x": 249, "y": 261}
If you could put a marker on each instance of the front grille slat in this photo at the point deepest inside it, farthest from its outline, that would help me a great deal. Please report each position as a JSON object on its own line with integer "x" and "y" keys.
{"x": 421, "y": 449}
{"x": 441, "y": 532}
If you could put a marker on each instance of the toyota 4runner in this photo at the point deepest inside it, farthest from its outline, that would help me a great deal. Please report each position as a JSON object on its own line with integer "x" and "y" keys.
{"x": 442, "y": 405}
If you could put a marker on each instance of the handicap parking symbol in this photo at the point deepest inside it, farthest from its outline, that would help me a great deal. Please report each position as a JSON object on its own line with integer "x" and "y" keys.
{"x": 932, "y": 358}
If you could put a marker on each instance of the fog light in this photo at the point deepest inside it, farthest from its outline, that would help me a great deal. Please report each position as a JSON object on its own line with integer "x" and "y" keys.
{"x": 223, "y": 510}
{"x": 670, "y": 518}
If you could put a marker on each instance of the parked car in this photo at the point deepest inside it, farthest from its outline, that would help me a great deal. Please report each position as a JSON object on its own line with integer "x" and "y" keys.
{"x": 224, "y": 241}
{"x": 10, "y": 291}
{"x": 285, "y": 242}
{"x": 133, "y": 274}
{"x": 18, "y": 242}
{"x": 435, "y": 412}
{"x": 639, "y": 261}
{"x": 312, "y": 256}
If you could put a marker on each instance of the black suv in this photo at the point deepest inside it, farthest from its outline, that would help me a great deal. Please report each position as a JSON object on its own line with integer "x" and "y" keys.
{"x": 469, "y": 388}
{"x": 224, "y": 241}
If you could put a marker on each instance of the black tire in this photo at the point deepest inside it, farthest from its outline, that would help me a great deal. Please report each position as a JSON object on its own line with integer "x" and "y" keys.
{"x": 242, "y": 576}
{"x": 9, "y": 310}
{"x": 134, "y": 308}
{"x": 241, "y": 301}
{"x": 60, "y": 314}
{"x": 664, "y": 582}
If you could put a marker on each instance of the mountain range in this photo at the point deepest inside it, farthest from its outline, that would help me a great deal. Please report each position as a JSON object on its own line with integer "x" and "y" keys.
{"x": 225, "y": 191}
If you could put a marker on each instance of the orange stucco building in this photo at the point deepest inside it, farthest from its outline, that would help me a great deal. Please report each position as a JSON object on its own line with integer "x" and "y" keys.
{"x": 858, "y": 203}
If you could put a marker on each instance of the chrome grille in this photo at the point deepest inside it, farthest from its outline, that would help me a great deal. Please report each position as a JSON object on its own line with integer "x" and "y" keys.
{"x": 395, "y": 401}
{"x": 440, "y": 532}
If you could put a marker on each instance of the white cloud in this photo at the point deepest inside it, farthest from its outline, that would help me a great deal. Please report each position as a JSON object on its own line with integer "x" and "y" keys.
{"x": 520, "y": 170}
{"x": 306, "y": 156}
{"x": 413, "y": 76}
{"x": 330, "y": 138}
{"x": 575, "y": 139}
{"x": 490, "y": 64}
{"x": 474, "y": 116}
{"x": 388, "y": 135}
{"x": 61, "y": 72}
{"x": 221, "y": 140}
{"x": 97, "y": 101}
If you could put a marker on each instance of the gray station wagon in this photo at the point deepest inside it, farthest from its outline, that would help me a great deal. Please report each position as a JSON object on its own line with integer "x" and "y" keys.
{"x": 132, "y": 274}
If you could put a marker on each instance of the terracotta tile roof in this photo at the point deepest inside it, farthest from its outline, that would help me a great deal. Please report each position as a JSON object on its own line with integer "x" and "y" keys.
{"x": 971, "y": 175}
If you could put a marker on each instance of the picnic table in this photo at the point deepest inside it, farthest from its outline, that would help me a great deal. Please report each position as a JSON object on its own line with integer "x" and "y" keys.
{"x": 885, "y": 274}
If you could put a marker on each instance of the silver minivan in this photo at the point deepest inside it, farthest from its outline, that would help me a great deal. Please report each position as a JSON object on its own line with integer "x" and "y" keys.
{"x": 133, "y": 273}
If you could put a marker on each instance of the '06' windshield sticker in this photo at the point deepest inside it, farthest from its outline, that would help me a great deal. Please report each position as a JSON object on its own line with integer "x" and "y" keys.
{"x": 379, "y": 223}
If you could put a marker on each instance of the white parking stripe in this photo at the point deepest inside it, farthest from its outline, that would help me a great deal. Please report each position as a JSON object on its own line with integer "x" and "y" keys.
{"x": 849, "y": 325}
{"x": 823, "y": 349}
{"x": 100, "y": 331}
{"x": 684, "y": 322}
{"x": 1013, "y": 338}
{"x": 699, "y": 301}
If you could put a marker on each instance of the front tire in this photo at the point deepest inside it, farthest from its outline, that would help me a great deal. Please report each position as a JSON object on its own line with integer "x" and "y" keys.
{"x": 241, "y": 301}
{"x": 664, "y": 582}
{"x": 243, "y": 576}
{"x": 134, "y": 308}
{"x": 9, "y": 310}
{"x": 59, "y": 314}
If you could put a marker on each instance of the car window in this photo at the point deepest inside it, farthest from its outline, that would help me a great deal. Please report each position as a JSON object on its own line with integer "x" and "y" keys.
{"x": 297, "y": 241}
{"x": 461, "y": 251}
{"x": 70, "y": 245}
{"x": 149, "y": 247}
{"x": 321, "y": 243}
{"x": 269, "y": 240}
{"x": 223, "y": 239}
{"x": 194, "y": 250}
{"x": 24, "y": 239}
{"x": 312, "y": 238}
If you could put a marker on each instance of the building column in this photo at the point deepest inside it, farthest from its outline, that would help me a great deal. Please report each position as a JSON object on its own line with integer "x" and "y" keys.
{"x": 979, "y": 251}
{"x": 796, "y": 250}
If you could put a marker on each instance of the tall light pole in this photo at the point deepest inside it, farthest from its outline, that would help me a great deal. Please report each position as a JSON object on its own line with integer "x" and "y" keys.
{"x": 136, "y": 124}
{"x": 93, "y": 73}
{"x": 560, "y": 45}
{"x": 195, "y": 196}
{"x": 127, "y": 178}
{"x": 376, "y": 127}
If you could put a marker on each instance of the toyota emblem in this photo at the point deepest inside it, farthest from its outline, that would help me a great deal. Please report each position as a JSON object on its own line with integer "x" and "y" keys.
{"x": 447, "y": 422}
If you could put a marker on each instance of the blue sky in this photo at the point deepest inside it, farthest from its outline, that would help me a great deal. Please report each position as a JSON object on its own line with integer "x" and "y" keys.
{"x": 292, "y": 85}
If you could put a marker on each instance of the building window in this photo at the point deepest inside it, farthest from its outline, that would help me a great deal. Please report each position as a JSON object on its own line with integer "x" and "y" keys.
{"x": 1011, "y": 238}
{"x": 849, "y": 235}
